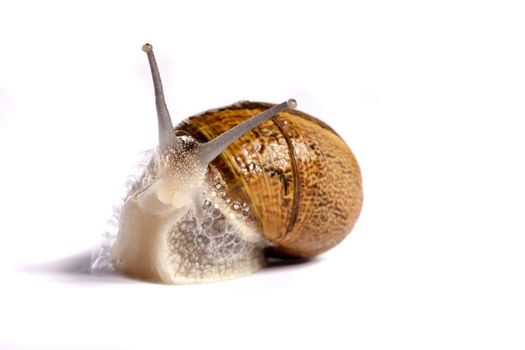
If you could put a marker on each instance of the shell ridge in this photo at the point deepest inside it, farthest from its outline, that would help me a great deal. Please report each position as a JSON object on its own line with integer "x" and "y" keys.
{"x": 296, "y": 178}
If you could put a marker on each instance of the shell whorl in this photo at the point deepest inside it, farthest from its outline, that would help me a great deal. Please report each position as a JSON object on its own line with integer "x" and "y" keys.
{"x": 300, "y": 178}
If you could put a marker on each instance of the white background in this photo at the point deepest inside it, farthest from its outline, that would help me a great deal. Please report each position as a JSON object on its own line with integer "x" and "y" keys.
{"x": 429, "y": 95}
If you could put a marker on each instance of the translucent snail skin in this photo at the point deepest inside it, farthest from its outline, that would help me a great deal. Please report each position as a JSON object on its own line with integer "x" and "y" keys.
{"x": 224, "y": 187}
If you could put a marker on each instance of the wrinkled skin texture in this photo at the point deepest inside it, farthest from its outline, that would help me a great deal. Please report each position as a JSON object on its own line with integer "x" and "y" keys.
{"x": 174, "y": 228}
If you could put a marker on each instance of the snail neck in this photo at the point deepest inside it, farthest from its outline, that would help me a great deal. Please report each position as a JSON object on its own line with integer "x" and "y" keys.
{"x": 139, "y": 250}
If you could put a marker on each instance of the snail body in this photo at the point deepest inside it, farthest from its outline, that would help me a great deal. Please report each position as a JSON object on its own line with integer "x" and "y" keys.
{"x": 225, "y": 186}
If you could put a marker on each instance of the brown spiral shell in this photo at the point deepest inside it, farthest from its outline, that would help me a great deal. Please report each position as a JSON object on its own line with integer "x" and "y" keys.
{"x": 302, "y": 182}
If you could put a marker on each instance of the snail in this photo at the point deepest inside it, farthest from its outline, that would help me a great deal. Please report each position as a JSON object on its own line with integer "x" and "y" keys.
{"x": 226, "y": 188}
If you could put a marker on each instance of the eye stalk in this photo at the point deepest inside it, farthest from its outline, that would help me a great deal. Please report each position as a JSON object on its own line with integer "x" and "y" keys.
{"x": 164, "y": 119}
{"x": 211, "y": 149}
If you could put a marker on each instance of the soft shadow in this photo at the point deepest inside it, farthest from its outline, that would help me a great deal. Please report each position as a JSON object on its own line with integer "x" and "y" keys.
{"x": 76, "y": 268}
{"x": 74, "y": 264}
{"x": 276, "y": 263}
{"x": 73, "y": 268}
{"x": 278, "y": 260}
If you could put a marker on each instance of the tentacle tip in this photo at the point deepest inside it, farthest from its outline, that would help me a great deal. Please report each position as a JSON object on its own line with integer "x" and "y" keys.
{"x": 147, "y": 47}
{"x": 291, "y": 103}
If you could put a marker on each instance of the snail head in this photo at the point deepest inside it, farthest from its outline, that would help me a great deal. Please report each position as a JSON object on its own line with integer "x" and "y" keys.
{"x": 181, "y": 163}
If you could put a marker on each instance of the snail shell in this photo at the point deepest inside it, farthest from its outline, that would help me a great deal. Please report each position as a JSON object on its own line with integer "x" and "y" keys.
{"x": 224, "y": 187}
{"x": 301, "y": 180}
